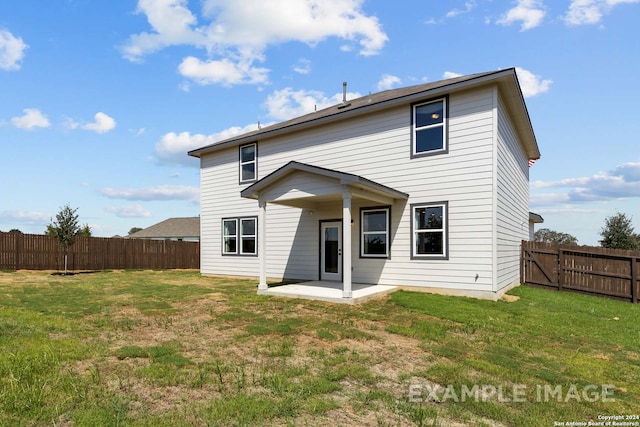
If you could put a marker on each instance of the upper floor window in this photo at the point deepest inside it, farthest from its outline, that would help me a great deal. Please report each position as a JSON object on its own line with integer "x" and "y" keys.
{"x": 374, "y": 236}
{"x": 248, "y": 162}
{"x": 429, "y": 230}
{"x": 430, "y": 127}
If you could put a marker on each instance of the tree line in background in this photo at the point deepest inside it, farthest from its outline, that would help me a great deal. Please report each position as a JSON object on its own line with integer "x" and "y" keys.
{"x": 617, "y": 233}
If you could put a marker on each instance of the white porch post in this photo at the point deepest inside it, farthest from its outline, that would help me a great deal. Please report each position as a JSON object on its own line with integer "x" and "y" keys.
{"x": 346, "y": 243}
{"x": 262, "y": 244}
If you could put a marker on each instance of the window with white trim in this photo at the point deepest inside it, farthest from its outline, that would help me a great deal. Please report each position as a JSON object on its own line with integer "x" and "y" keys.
{"x": 239, "y": 236}
{"x": 430, "y": 127}
{"x": 248, "y": 236}
{"x": 248, "y": 162}
{"x": 429, "y": 230}
{"x": 374, "y": 235}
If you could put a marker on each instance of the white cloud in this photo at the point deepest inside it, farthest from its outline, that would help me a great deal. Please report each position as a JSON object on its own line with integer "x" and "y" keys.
{"x": 70, "y": 124}
{"x": 550, "y": 199}
{"x": 288, "y": 103}
{"x": 173, "y": 147}
{"x": 303, "y": 66}
{"x": 162, "y": 192}
{"x": 236, "y": 34}
{"x": 102, "y": 124}
{"x": 24, "y": 216}
{"x": 529, "y": 12}
{"x": 388, "y": 81}
{"x": 468, "y": 7}
{"x": 224, "y": 72}
{"x": 450, "y": 75}
{"x": 129, "y": 211}
{"x": 32, "y": 118}
{"x": 12, "y": 50}
{"x": 621, "y": 182}
{"x": 583, "y": 12}
{"x": 172, "y": 23}
{"x": 532, "y": 84}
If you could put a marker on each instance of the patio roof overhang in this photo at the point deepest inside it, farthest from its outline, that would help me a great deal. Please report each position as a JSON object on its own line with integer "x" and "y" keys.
{"x": 307, "y": 186}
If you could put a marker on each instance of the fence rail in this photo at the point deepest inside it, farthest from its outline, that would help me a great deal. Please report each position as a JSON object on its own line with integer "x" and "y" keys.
{"x": 20, "y": 251}
{"x": 606, "y": 272}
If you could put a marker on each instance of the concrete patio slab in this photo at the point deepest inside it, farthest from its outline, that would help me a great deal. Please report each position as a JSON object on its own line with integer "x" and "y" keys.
{"x": 328, "y": 291}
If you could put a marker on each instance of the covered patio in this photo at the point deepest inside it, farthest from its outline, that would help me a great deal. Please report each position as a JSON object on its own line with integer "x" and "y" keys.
{"x": 305, "y": 186}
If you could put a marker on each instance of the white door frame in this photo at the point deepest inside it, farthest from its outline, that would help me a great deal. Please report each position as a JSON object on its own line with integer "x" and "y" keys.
{"x": 332, "y": 229}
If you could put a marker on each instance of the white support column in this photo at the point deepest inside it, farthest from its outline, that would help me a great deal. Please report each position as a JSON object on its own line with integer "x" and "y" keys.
{"x": 346, "y": 243}
{"x": 262, "y": 244}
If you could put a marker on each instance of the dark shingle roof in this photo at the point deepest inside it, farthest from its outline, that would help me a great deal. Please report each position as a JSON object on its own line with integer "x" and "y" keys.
{"x": 506, "y": 80}
{"x": 171, "y": 228}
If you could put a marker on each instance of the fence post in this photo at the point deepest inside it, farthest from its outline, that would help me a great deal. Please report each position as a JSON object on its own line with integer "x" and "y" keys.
{"x": 522, "y": 252}
{"x": 634, "y": 274}
{"x": 19, "y": 249}
{"x": 560, "y": 267}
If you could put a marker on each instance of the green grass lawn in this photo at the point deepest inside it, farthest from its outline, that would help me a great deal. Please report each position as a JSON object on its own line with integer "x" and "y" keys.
{"x": 151, "y": 348}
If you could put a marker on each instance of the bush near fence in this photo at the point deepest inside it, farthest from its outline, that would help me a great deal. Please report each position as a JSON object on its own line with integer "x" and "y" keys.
{"x": 605, "y": 272}
{"x": 20, "y": 251}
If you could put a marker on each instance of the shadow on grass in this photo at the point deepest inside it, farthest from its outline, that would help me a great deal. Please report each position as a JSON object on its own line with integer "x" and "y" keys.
{"x": 73, "y": 273}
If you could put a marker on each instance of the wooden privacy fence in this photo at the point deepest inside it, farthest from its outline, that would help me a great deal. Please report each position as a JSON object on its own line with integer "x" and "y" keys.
{"x": 599, "y": 271}
{"x": 38, "y": 252}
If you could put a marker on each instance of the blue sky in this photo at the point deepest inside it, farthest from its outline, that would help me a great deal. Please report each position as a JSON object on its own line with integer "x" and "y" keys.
{"x": 101, "y": 100}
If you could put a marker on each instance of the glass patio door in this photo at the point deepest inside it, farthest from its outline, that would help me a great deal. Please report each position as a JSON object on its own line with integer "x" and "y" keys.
{"x": 331, "y": 251}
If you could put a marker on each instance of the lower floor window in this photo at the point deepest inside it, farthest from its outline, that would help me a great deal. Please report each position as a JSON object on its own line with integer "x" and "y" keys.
{"x": 429, "y": 230}
{"x": 374, "y": 236}
{"x": 239, "y": 236}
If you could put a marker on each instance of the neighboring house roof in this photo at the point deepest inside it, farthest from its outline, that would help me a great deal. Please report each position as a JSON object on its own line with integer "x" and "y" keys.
{"x": 345, "y": 178}
{"x": 506, "y": 80}
{"x": 171, "y": 228}
{"x": 535, "y": 218}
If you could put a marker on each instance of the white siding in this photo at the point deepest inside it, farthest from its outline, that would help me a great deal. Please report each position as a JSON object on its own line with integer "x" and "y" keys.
{"x": 378, "y": 146}
{"x": 302, "y": 185}
{"x": 512, "y": 201}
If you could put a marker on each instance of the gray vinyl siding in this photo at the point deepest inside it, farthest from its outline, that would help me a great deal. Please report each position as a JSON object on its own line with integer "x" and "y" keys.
{"x": 378, "y": 147}
{"x": 512, "y": 200}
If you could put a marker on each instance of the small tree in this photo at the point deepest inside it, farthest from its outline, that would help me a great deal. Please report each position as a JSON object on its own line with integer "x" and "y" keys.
{"x": 550, "y": 236}
{"x": 134, "y": 230}
{"x": 65, "y": 228}
{"x": 85, "y": 231}
{"x": 618, "y": 233}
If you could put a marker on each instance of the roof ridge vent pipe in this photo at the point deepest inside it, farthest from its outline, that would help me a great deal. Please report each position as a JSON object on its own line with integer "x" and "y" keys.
{"x": 344, "y": 92}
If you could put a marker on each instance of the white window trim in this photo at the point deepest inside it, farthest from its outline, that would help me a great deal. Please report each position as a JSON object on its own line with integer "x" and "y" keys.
{"x": 254, "y": 162}
{"x": 444, "y": 230}
{"x": 225, "y": 236}
{"x": 239, "y": 235}
{"x": 445, "y": 143}
{"x": 254, "y": 235}
{"x": 387, "y": 210}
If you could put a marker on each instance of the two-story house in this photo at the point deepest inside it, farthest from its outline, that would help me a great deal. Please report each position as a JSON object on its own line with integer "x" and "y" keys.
{"x": 425, "y": 186}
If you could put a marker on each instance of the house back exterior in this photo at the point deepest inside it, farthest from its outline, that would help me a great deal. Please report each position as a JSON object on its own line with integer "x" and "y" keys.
{"x": 426, "y": 187}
